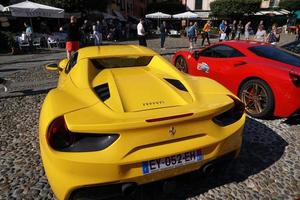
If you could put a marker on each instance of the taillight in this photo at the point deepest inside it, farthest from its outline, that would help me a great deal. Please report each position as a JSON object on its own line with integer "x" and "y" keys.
{"x": 61, "y": 139}
{"x": 295, "y": 78}
{"x": 232, "y": 115}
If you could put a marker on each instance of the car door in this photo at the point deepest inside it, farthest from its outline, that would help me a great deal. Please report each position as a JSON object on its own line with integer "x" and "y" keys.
{"x": 220, "y": 62}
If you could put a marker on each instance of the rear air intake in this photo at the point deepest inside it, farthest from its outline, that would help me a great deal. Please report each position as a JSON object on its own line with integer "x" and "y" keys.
{"x": 177, "y": 84}
{"x": 103, "y": 91}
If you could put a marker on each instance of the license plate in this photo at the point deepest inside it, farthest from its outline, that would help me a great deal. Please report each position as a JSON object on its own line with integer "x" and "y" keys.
{"x": 171, "y": 161}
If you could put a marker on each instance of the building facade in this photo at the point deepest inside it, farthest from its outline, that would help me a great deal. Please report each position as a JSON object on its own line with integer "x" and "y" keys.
{"x": 203, "y": 5}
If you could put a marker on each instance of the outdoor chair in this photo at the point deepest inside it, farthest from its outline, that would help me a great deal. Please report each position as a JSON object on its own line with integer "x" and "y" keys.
{"x": 37, "y": 42}
{"x": 52, "y": 42}
{"x": 23, "y": 43}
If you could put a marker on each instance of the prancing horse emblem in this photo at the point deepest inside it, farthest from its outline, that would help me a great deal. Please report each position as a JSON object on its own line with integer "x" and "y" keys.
{"x": 172, "y": 130}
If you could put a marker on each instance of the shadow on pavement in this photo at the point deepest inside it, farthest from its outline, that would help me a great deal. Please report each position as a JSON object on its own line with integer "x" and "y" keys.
{"x": 260, "y": 149}
{"x": 28, "y": 61}
{"x": 22, "y": 93}
{"x": 12, "y": 70}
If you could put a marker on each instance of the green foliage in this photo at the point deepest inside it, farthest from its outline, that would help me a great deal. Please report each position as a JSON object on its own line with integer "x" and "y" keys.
{"x": 234, "y": 8}
{"x": 7, "y": 41}
{"x": 291, "y": 5}
{"x": 76, "y": 5}
{"x": 169, "y": 7}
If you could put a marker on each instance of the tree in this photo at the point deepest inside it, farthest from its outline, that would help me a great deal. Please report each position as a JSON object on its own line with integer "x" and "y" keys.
{"x": 234, "y": 8}
{"x": 291, "y": 5}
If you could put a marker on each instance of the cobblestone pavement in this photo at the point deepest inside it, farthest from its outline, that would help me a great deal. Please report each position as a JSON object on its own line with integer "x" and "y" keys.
{"x": 268, "y": 166}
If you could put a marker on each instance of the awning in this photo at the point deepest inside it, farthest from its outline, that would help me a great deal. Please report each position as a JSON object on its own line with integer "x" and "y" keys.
{"x": 273, "y": 12}
{"x": 120, "y": 16}
{"x": 31, "y": 9}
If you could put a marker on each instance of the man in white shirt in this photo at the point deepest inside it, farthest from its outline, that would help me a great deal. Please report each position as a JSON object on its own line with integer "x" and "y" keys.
{"x": 141, "y": 33}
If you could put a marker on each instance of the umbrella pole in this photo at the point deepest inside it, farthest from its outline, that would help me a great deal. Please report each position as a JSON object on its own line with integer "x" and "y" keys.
{"x": 30, "y": 19}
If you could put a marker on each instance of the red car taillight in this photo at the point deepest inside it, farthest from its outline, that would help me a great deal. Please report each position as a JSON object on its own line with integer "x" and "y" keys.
{"x": 232, "y": 115}
{"x": 295, "y": 78}
{"x": 61, "y": 139}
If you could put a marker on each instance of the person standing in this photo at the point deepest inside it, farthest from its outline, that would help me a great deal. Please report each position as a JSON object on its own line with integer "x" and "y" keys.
{"x": 163, "y": 33}
{"x": 222, "y": 31}
{"x": 141, "y": 33}
{"x": 233, "y": 29}
{"x": 247, "y": 30}
{"x": 86, "y": 29}
{"x": 273, "y": 37}
{"x": 29, "y": 35}
{"x": 227, "y": 30}
{"x": 239, "y": 29}
{"x": 261, "y": 34}
{"x": 192, "y": 34}
{"x": 206, "y": 30}
{"x": 73, "y": 36}
{"x": 97, "y": 32}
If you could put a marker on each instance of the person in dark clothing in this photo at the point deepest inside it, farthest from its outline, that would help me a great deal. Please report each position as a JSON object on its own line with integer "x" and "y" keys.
{"x": 163, "y": 33}
{"x": 227, "y": 30}
{"x": 73, "y": 36}
{"x": 233, "y": 29}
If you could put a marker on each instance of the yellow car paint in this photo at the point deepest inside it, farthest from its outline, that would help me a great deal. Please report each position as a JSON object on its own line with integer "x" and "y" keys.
{"x": 137, "y": 94}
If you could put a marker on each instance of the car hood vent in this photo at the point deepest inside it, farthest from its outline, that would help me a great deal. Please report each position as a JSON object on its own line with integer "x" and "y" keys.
{"x": 177, "y": 84}
{"x": 103, "y": 91}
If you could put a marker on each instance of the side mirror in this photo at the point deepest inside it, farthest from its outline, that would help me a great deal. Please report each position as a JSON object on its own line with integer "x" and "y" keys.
{"x": 196, "y": 55}
{"x": 63, "y": 63}
{"x": 52, "y": 67}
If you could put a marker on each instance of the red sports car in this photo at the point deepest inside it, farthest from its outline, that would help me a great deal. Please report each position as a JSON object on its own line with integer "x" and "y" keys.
{"x": 266, "y": 78}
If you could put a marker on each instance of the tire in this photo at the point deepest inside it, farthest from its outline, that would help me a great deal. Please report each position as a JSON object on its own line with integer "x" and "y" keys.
{"x": 258, "y": 98}
{"x": 181, "y": 64}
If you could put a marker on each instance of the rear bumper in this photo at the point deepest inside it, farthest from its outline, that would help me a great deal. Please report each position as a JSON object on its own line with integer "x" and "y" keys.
{"x": 117, "y": 190}
{"x": 67, "y": 174}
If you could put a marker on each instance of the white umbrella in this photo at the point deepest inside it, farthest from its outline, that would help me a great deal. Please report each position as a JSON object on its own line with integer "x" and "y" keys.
{"x": 31, "y": 9}
{"x": 158, "y": 15}
{"x": 1, "y": 8}
{"x": 186, "y": 15}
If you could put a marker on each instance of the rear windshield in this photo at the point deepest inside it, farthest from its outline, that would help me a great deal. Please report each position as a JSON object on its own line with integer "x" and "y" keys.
{"x": 276, "y": 54}
{"x": 124, "y": 61}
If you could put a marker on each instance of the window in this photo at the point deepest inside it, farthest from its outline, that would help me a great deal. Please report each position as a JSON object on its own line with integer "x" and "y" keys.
{"x": 118, "y": 62}
{"x": 198, "y": 4}
{"x": 72, "y": 62}
{"x": 277, "y": 54}
{"x": 221, "y": 51}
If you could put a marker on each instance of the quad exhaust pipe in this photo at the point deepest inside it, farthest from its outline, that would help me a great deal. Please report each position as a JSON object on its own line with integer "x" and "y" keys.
{"x": 128, "y": 189}
{"x": 208, "y": 169}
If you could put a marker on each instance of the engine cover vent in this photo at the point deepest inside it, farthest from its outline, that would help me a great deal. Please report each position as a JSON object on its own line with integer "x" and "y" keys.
{"x": 177, "y": 84}
{"x": 103, "y": 91}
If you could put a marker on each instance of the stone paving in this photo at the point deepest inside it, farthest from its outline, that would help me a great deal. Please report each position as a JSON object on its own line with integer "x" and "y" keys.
{"x": 268, "y": 166}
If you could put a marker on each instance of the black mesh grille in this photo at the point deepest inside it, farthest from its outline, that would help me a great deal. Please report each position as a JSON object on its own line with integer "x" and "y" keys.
{"x": 103, "y": 91}
{"x": 177, "y": 84}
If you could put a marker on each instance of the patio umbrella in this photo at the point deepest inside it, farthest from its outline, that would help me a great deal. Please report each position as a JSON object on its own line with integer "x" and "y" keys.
{"x": 1, "y": 8}
{"x": 158, "y": 16}
{"x": 31, "y": 9}
{"x": 186, "y": 15}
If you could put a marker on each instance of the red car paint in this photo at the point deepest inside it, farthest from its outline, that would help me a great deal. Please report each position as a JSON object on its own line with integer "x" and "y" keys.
{"x": 233, "y": 72}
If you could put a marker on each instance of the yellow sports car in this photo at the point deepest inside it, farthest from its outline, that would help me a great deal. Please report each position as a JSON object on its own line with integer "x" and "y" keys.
{"x": 122, "y": 116}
